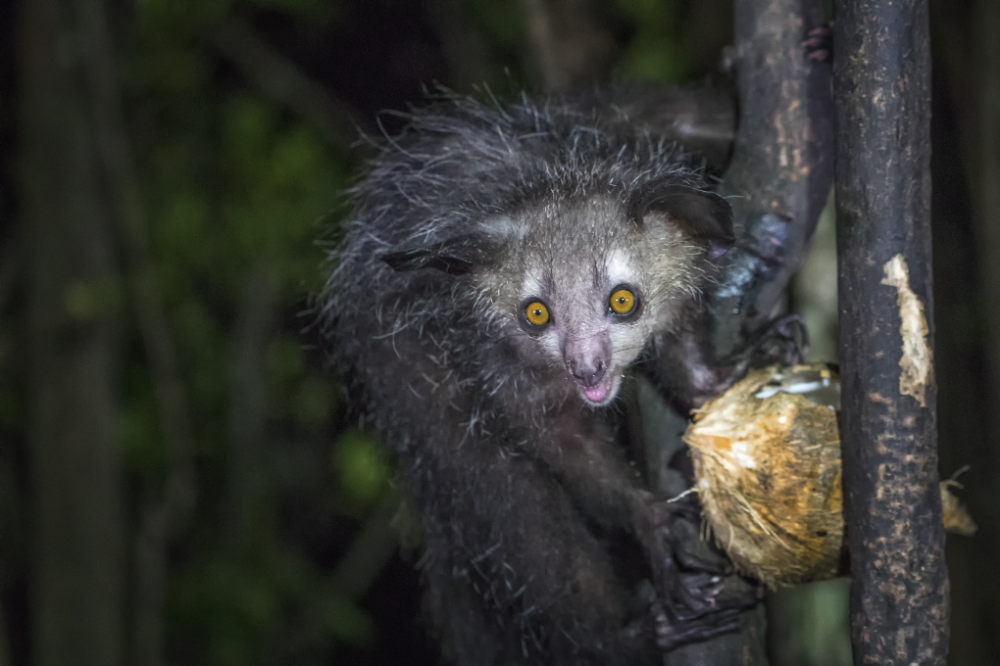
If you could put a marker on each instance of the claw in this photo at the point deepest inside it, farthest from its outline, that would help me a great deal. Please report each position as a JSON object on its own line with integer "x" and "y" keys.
{"x": 671, "y": 518}
{"x": 673, "y": 629}
{"x": 783, "y": 340}
{"x": 692, "y": 602}
{"x": 819, "y": 44}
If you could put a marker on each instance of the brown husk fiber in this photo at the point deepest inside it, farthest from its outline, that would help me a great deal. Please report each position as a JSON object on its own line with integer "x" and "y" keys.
{"x": 768, "y": 473}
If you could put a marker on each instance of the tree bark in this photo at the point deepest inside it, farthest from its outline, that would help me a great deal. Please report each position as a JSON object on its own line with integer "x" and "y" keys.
{"x": 76, "y": 581}
{"x": 777, "y": 183}
{"x": 782, "y": 166}
{"x": 899, "y": 590}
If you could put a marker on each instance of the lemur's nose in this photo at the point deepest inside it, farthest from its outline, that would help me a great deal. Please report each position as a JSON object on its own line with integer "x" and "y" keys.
{"x": 589, "y": 372}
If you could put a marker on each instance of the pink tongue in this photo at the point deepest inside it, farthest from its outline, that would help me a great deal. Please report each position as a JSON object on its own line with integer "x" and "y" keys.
{"x": 597, "y": 393}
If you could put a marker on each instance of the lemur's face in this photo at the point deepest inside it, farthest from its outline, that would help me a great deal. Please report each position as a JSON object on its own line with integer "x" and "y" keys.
{"x": 588, "y": 316}
{"x": 585, "y": 288}
{"x": 580, "y": 285}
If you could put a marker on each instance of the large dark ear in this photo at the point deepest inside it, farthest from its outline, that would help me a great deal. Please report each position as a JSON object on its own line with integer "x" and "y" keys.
{"x": 705, "y": 215}
{"x": 455, "y": 256}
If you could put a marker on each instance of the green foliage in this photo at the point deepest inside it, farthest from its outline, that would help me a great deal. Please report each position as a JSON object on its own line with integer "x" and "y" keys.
{"x": 266, "y": 607}
{"x": 345, "y": 621}
{"x": 818, "y": 613}
{"x": 237, "y": 189}
{"x": 648, "y": 55}
{"x": 501, "y": 24}
{"x": 86, "y": 301}
{"x": 361, "y": 467}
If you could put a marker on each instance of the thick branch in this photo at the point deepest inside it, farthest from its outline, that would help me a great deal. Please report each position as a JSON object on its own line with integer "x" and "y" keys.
{"x": 777, "y": 183}
{"x": 899, "y": 590}
{"x": 782, "y": 165}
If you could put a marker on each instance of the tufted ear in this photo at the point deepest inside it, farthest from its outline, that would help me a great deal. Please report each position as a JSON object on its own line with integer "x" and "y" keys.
{"x": 455, "y": 256}
{"x": 703, "y": 214}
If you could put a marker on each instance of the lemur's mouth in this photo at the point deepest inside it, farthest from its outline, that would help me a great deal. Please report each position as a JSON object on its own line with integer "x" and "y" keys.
{"x": 597, "y": 393}
{"x": 603, "y": 392}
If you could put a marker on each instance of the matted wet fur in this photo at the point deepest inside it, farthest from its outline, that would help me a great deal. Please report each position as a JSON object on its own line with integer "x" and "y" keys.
{"x": 472, "y": 226}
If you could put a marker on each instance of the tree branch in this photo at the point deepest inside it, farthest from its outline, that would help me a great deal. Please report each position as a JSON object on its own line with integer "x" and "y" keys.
{"x": 159, "y": 518}
{"x": 777, "y": 184}
{"x": 782, "y": 165}
{"x": 72, "y": 333}
{"x": 370, "y": 551}
{"x": 899, "y": 587}
{"x": 543, "y": 41}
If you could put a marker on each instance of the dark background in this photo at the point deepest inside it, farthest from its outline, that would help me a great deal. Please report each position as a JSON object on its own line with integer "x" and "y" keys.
{"x": 181, "y": 482}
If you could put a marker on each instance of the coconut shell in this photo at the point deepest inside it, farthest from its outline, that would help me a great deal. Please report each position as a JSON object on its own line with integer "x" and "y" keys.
{"x": 767, "y": 469}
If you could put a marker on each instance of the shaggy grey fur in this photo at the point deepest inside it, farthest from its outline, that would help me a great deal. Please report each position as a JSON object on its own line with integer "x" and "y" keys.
{"x": 538, "y": 532}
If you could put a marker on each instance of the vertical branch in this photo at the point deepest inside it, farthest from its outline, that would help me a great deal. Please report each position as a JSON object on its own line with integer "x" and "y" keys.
{"x": 119, "y": 174}
{"x": 899, "y": 591}
{"x": 570, "y": 44}
{"x": 777, "y": 183}
{"x": 782, "y": 165}
{"x": 542, "y": 37}
{"x": 247, "y": 456}
{"x": 10, "y": 267}
{"x": 158, "y": 518}
{"x": 465, "y": 49}
{"x": 5, "y": 659}
{"x": 72, "y": 331}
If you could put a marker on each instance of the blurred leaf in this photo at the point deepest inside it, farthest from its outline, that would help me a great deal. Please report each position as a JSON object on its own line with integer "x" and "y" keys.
{"x": 360, "y": 465}
{"x": 86, "y": 301}
{"x": 314, "y": 402}
{"x": 345, "y": 621}
{"x": 285, "y": 359}
{"x": 653, "y": 53}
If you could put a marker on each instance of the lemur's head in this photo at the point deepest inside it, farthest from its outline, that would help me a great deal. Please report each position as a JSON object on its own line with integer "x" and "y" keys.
{"x": 580, "y": 285}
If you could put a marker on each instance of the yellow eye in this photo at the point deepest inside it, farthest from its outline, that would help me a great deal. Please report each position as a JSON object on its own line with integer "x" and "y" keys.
{"x": 622, "y": 301}
{"x": 537, "y": 313}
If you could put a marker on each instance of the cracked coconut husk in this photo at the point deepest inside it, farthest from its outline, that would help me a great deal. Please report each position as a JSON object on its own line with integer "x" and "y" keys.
{"x": 767, "y": 469}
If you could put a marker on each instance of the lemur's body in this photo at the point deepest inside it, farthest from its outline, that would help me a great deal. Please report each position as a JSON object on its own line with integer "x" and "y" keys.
{"x": 502, "y": 270}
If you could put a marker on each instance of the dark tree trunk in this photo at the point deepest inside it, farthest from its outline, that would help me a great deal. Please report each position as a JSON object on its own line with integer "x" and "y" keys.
{"x": 76, "y": 578}
{"x": 899, "y": 591}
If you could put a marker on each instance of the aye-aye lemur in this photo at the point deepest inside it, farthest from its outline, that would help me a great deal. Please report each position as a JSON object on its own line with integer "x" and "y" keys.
{"x": 503, "y": 269}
